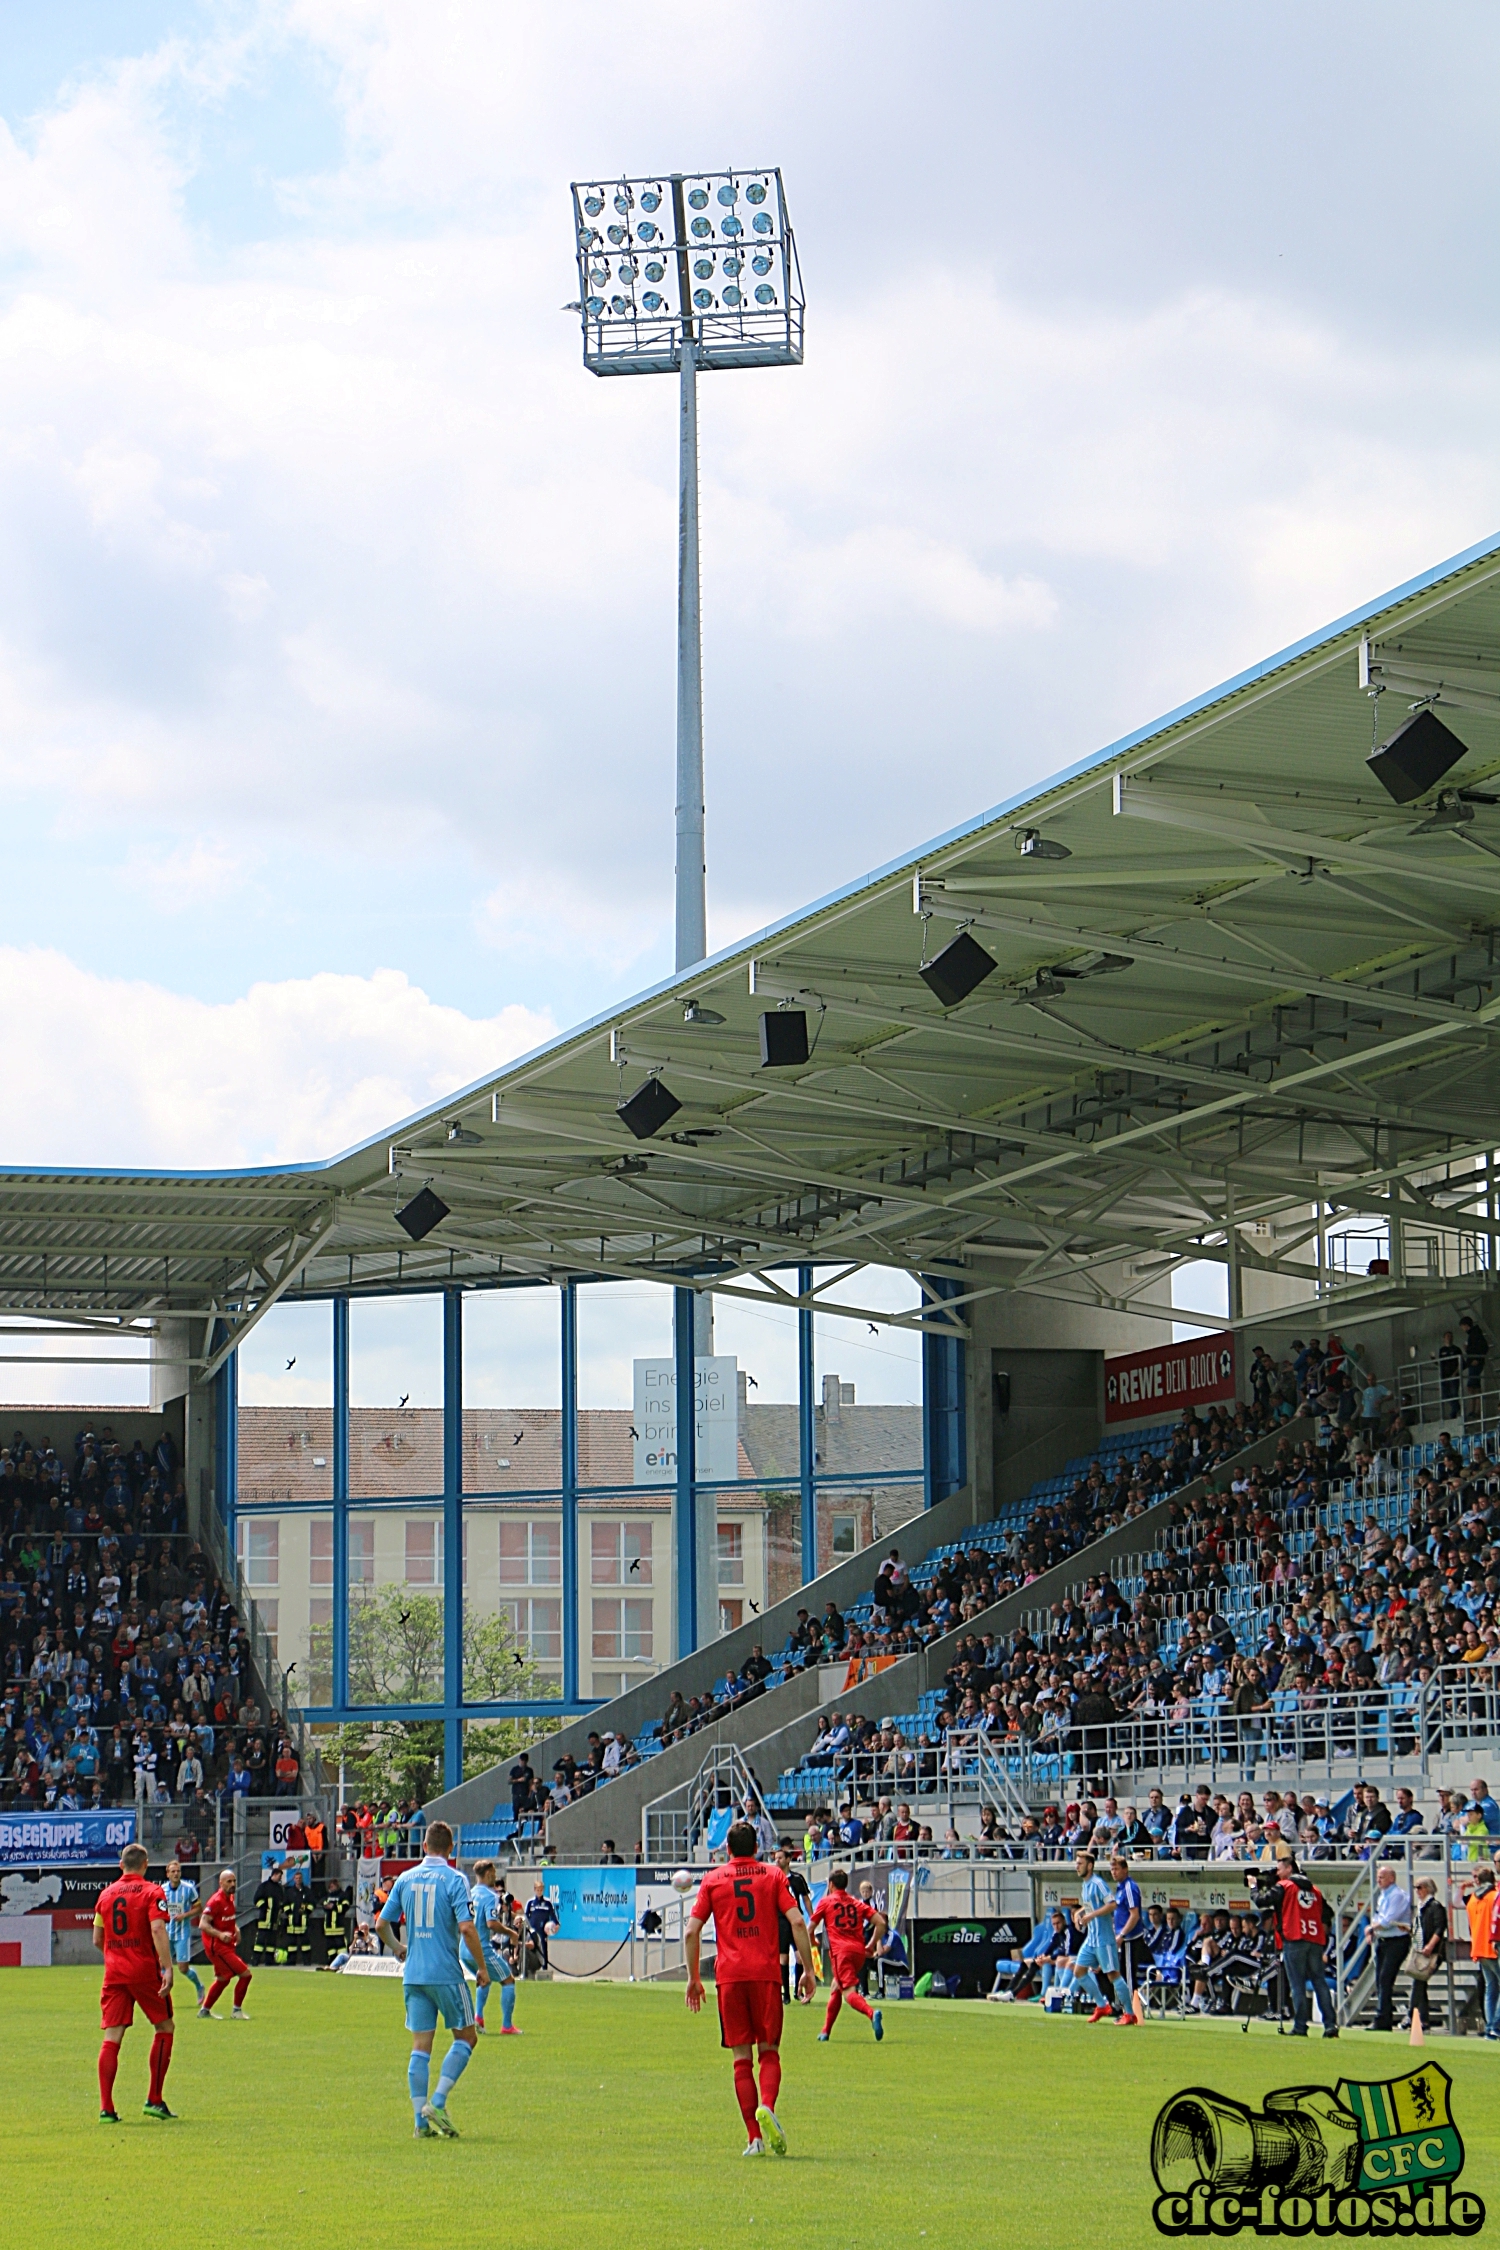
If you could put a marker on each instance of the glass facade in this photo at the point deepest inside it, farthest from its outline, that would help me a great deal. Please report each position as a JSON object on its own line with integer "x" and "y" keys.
{"x": 469, "y": 1504}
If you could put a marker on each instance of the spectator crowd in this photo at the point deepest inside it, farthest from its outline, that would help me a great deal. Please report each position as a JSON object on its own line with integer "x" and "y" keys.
{"x": 125, "y": 1669}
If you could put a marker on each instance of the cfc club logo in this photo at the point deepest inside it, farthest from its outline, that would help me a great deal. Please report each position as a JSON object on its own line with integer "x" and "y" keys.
{"x": 1378, "y": 2159}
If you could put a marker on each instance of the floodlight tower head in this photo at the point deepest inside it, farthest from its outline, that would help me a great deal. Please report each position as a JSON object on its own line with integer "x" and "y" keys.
{"x": 700, "y": 258}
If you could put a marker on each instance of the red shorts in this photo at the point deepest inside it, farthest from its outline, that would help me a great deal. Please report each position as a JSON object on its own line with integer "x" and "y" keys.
{"x": 224, "y": 1961}
{"x": 848, "y": 1968}
{"x": 128, "y": 1987}
{"x": 749, "y": 2015}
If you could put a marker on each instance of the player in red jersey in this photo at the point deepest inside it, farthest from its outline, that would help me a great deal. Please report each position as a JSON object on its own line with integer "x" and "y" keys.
{"x": 743, "y": 1900}
{"x": 130, "y": 1930}
{"x": 850, "y": 1925}
{"x": 219, "y": 1928}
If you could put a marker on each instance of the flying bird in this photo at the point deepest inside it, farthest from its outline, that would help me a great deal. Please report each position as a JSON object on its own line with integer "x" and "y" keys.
{"x": 635, "y": 1565}
{"x": 750, "y": 1379}
{"x": 291, "y": 1363}
{"x": 519, "y": 1435}
{"x": 635, "y": 1433}
{"x": 404, "y": 1618}
{"x": 874, "y": 1331}
{"x": 756, "y": 1607}
{"x": 518, "y": 1659}
{"x": 401, "y": 1401}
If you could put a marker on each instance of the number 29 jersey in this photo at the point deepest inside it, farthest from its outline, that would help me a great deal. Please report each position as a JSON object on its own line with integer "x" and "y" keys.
{"x": 743, "y": 1899}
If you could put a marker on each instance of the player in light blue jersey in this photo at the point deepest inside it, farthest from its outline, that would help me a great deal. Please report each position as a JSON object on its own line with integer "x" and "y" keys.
{"x": 431, "y": 1901}
{"x": 1097, "y": 1958}
{"x": 181, "y": 1898}
{"x": 487, "y": 1911}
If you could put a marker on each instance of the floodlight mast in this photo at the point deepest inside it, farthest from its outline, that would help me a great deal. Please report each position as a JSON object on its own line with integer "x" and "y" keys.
{"x": 642, "y": 315}
{"x": 653, "y": 306}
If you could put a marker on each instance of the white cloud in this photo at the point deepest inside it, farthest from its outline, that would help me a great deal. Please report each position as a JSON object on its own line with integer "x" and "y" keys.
{"x": 318, "y": 545}
{"x": 290, "y": 1071}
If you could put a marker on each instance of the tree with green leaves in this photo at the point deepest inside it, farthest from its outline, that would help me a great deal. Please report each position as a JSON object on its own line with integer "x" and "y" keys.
{"x": 396, "y": 1656}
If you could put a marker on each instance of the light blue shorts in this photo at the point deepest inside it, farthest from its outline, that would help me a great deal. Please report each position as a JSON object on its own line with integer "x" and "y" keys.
{"x": 500, "y": 1969}
{"x": 426, "y": 2002}
{"x": 1096, "y": 1953}
{"x": 182, "y": 1945}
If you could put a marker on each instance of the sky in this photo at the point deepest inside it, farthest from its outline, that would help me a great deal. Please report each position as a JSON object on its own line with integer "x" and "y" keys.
{"x": 337, "y": 600}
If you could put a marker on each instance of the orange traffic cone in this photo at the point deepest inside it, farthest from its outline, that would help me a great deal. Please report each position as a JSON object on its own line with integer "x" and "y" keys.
{"x": 1416, "y": 2030}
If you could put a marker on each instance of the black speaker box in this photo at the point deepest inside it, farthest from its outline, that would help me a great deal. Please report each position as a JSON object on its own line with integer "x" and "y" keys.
{"x": 783, "y": 1038}
{"x": 648, "y": 1109}
{"x": 958, "y": 970}
{"x": 1417, "y": 755}
{"x": 422, "y": 1214}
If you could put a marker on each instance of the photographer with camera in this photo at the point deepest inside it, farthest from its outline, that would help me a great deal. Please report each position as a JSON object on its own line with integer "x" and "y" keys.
{"x": 1299, "y": 1914}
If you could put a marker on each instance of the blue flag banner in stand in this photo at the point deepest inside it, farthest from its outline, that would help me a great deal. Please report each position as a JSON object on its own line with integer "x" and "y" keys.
{"x": 40, "y": 1839}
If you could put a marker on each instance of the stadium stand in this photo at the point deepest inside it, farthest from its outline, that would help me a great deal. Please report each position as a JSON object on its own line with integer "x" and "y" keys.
{"x": 126, "y": 1671}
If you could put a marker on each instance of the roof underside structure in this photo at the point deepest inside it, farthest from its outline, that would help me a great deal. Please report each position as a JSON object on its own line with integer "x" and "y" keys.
{"x": 1239, "y": 994}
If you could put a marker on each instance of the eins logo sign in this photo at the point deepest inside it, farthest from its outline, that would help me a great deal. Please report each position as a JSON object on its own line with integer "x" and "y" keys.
{"x": 1371, "y": 2159}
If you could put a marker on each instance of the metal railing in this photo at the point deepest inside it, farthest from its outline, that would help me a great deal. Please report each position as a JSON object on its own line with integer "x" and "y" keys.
{"x": 676, "y": 1825}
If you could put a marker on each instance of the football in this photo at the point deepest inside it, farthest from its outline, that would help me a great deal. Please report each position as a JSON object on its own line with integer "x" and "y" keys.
{"x": 684, "y": 1879}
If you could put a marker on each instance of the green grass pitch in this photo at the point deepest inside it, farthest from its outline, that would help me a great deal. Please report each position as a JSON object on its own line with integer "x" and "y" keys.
{"x": 612, "y": 2123}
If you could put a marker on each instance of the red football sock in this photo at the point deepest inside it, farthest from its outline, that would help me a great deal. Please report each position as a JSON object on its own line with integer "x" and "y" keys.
{"x": 161, "y": 2056}
{"x": 220, "y": 1984}
{"x": 241, "y": 1989}
{"x": 744, "y": 2094}
{"x": 109, "y": 2063}
{"x": 858, "y": 2002}
{"x": 770, "y": 2079}
{"x": 835, "y": 2002}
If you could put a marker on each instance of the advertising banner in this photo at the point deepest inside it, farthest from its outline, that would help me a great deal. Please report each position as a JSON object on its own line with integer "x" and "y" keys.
{"x": 41, "y": 1838}
{"x": 1161, "y": 1382}
{"x": 25, "y": 1941}
{"x": 68, "y": 1895}
{"x": 593, "y": 1903}
{"x": 716, "y": 1422}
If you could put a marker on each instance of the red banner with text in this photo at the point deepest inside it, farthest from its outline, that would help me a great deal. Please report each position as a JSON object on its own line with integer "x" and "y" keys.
{"x": 1165, "y": 1380}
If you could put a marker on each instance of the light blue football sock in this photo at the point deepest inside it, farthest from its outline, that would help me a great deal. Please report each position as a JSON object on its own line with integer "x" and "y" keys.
{"x": 480, "y": 1998}
{"x": 1122, "y": 1996}
{"x": 455, "y": 2063}
{"x": 416, "y": 2081}
{"x": 192, "y": 1977}
{"x": 507, "y": 2002}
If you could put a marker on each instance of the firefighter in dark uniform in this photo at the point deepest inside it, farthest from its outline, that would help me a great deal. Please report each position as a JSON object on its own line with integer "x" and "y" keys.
{"x": 267, "y": 1905}
{"x": 337, "y": 1908}
{"x": 296, "y": 1923}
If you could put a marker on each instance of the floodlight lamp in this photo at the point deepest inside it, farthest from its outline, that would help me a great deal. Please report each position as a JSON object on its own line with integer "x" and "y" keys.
{"x": 764, "y": 293}
{"x": 698, "y": 198}
{"x": 701, "y": 227}
{"x": 1450, "y": 811}
{"x": 695, "y": 1012}
{"x": 1094, "y": 965}
{"x": 1032, "y": 844}
{"x": 756, "y": 192}
{"x": 763, "y": 222}
{"x": 617, "y": 235}
{"x": 732, "y": 226}
{"x": 646, "y": 231}
{"x": 593, "y": 204}
{"x": 623, "y": 200}
{"x": 703, "y": 267}
{"x": 1045, "y": 986}
{"x": 651, "y": 199}
{"x": 459, "y": 1136}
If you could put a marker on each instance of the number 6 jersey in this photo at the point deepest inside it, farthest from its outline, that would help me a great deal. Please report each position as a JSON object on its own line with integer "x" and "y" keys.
{"x": 126, "y": 1912}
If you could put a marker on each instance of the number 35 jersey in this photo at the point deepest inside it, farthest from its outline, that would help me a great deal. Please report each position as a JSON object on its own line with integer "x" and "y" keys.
{"x": 743, "y": 1899}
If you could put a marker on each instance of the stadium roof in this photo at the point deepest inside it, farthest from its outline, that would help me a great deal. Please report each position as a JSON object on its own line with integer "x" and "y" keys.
{"x": 1236, "y": 976}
